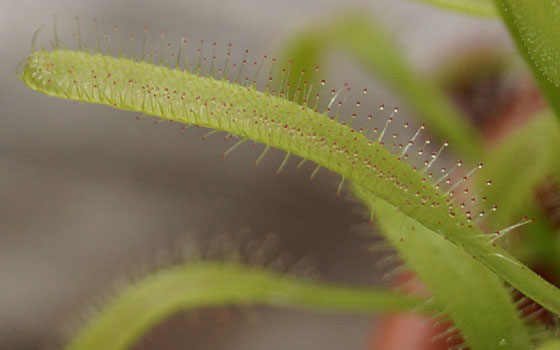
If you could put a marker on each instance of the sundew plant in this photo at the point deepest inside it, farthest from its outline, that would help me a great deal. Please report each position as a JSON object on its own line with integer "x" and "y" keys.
{"x": 438, "y": 216}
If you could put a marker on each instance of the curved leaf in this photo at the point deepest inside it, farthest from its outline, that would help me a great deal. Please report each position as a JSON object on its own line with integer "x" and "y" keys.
{"x": 184, "y": 97}
{"x": 141, "y": 305}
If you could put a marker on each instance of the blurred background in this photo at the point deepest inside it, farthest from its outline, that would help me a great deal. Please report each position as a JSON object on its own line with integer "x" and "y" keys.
{"x": 91, "y": 196}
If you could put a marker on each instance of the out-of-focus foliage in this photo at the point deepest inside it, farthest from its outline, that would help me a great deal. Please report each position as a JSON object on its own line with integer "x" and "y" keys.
{"x": 483, "y": 8}
{"x": 363, "y": 39}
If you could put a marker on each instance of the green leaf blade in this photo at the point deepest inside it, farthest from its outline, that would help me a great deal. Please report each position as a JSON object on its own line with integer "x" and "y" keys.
{"x": 141, "y": 305}
{"x": 459, "y": 283}
{"x": 538, "y": 27}
{"x": 534, "y": 29}
{"x": 184, "y": 97}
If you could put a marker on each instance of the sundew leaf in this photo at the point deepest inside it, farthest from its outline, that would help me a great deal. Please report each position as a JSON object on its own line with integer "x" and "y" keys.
{"x": 474, "y": 298}
{"x": 520, "y": 162}
{"x": 188, "y": 98}
{"x": 374, "y": 48}
{"x": 534, "y": 27}
{"x": 482, "y": 8}
{"x": 141, "y": 305}
{"x": 538, "y": 27}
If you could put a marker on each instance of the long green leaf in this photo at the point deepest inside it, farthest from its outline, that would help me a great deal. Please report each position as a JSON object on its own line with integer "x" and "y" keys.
{"x": 184, "y": 97}
{"x": 473, "y": 297}
{"x": 141, "y": 305}
{"x": 534, "y": 28}
{"x": 375, "y": 49}
{"x": 483, "y": 8}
